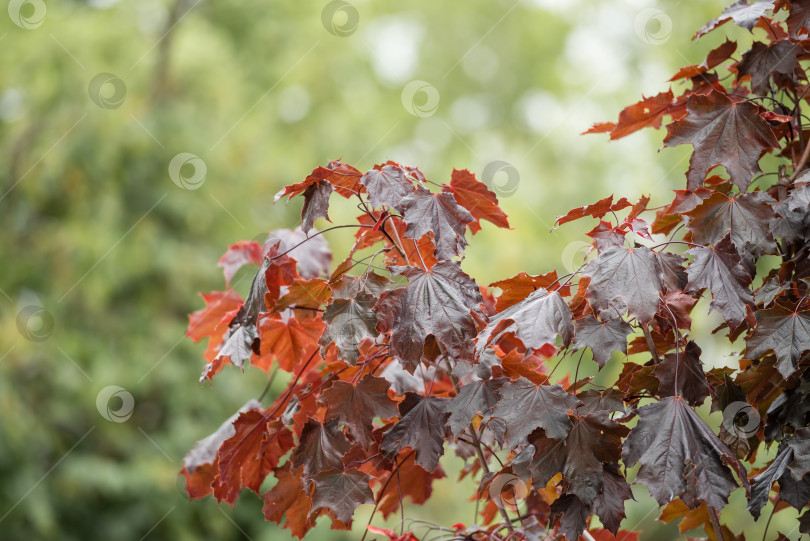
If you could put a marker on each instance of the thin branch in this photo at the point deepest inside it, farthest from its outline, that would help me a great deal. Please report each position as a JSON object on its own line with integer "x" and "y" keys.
{"x": 382, "y": 491}
{"x": 650, "y": 343}
{"x": 321, "y": 232}
{"x": 292, "y": 385}
{"x": 269, "y": 383}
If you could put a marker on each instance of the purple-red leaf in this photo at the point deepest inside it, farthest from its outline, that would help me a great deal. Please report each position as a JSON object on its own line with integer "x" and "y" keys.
{"x": 357, "y": 405}
{"x": 524, "y": 406}
{"x": 421, "y": 428}
{"x": 440, "y": 215}
{"x": 625, "y": 278}
{"x": 680, "y": 456}
{"x": 437, "y": 302}
{"x": 722, "y": 132}
{"x": 536, "y": 321}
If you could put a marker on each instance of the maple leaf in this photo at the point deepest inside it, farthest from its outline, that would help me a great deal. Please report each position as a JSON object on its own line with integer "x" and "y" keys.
{"x": 741, "y": 12}
{"x": 473, "y": 398}
{"x": 798, "y": 20}
{"x": 356, "y": 406}
{"x": 722, "y": 132}
{"x": 594, "y": 439}
{"x": 603, "y": 337}
{"x": 288, "y": 500}
{"x": 682, "y": 374}
{"x": 250, "y": 454}
{"x": 341, "y": 492}
{"x": 387, "y": 185}
{"x": 789, "y": 411}
{"x": 789, "y": 469}
{"x": 608, "y": 401}
{"x": 349, "y": 287}
{"x": 541, "y": 460}
{"x": 287, "y": 340}
{"x": 718, "y": 268}
{"x": 673, "y": 273}
{"x": 411, "y": 481}
{"x": 630, "y": 275}
{"x": 609, "y": 503}
{"x": 238, "y": 348}
{"x": 349, "y": 322}
{"x": 205, "y": 450}
{"x": 646, "y": 113}
{"x": 320, "y": 448}
{"x": 800, "y": 443}
{"x": 572, "y": 514}
{"x": 199, "y": 481}
{"x": 714, "y": 58}
{"x": 421, "y": 428}
{"x": 474, "y": 196}
{"x": 197, "y": 463}
{"x": 340, "y": 175}
{"x": 784, "y": 331}
{"x": 588, "y": 457}
{"x": 793, "y": 223}
{"x": 517, "y": 288}
{"x": 746, "y": 218}
{"x": 305, "y": 293}
{"x": 535, "y": 321}
{"x": 605, "y": 235}
{"x": 600, "y": 127}
{"x": 208, "y": 321}
{"x": 439, "y": 214}
{"x": 525, "y": 406}
{"x": 436, "y": 302}
{"x": 596, "y": 210}
{"x": 239, "y": 254}
{"x": 778, "y": 61}
{"x": 316, "y": 204}
{"x": 669, "y": 433}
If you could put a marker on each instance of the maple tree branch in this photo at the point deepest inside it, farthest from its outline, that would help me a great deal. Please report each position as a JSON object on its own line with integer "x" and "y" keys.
{"x": 382, "y": 492}
{"x": 292, "y": 385}
{"x": 767, "y": 524}
{"x": 650, "y": 343}
{"x": 488, "y": 448}
{"x": 801, "y": 164}
{"x": 321, "y": 232}
{"x": 401, "y": 505}
{"x": 390, "y": 239}
{"x": 714, "y": 518}
{"x": 269, "y": 383}
{"x": 398, "y": 242}
{"x": 677, "y": 347}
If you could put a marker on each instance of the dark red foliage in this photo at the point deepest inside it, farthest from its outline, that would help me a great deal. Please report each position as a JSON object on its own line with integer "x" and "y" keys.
{"x": 396, "y": 354}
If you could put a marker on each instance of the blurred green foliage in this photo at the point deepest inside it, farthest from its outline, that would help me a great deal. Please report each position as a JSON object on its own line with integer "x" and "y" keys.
{"x": 112, "y": 252}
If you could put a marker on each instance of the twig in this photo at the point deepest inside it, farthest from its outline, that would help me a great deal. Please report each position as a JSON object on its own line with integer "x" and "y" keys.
{"x": 269, "y": 383}
{"x": 650, "y": 343}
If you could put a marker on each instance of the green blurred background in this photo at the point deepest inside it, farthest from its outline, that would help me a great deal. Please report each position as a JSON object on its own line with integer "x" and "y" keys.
{"x": 97, "y": 97}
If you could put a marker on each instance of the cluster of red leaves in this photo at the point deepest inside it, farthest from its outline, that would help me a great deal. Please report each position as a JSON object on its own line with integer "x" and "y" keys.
{"x": 397, "y": 354}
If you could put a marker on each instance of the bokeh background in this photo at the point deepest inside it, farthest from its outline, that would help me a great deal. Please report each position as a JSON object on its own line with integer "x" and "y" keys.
{"x": 105, "y": 246}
